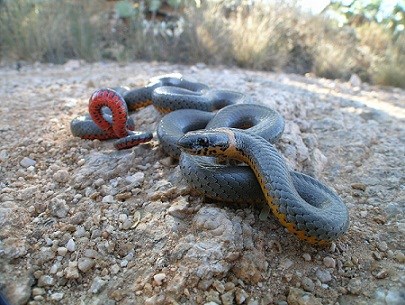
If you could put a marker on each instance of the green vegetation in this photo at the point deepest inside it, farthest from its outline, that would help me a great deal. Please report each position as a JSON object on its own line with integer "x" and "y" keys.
{"x": 265, "y": 36}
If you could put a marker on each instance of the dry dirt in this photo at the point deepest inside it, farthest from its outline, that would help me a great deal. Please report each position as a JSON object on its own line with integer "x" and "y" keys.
{"x": 81, "y": 223}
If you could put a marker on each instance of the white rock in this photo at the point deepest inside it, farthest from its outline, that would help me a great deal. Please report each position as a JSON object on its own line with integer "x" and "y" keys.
{"x": 61, "y": 176}
{"x": 62, "y": 251}
{"x": 85, "y": 264}
{"x": 108, "y": 199}
{"x": 355, "y": 80}
{"x": 71, "y": 272}
{"x": 3, "y": 155}
{"x": 57, "y": 296}
{"x": 97, "y": 285}
{"x": 159, "y": 278}
{"x": 71, "y": 245}
{"x": 136, "y": 179}
{"x": 329, "y": 262}
{"x": 27, "y": 162}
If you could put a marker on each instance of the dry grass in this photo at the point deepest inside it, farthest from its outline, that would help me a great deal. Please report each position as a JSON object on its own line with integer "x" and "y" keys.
{"x": 266, "y": 37}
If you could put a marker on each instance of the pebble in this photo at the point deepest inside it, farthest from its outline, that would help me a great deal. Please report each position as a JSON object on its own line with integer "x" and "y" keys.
{"x": 61, "y": 176}
{"x": 399, "y": 256}
{"x": 159, "y": 278}
{"x": 62, "y": 251}
{"x": 323, "y": 275}
{"x": 57, "y": 296}
{"x": 85, "y": 264}
{"x": 382, "y": 246}
{"x": 90, "y": 253}
{"x": 240, "y": 295}
{"x": 38, "y": 291}
{"x": 27, "y": 162}
{"x": 45, "y": 280}
{"x": 97, "y": 285}
{"x": 307, "y": 257}
{"x": 354, "y": 286}
{"x": 297, "y": 296}
{"x": 136, "y": 179}
{"x": 71, "y": 245}
{"x": 228, "y": 298}
{"x": 71, "y": 271}
{"x": 3, "y": 155}
{"x": 307, "y": 284}
{"x": 59, "y": 208}
{"x": 329, "y": 262}
{"x": 108, "y": 199}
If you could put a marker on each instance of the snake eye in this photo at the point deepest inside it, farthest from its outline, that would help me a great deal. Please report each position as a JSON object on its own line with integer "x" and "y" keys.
{"x": 203, "y": 141}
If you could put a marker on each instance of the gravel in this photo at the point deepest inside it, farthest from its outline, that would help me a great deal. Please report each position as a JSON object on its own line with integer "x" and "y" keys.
{"x": 82, "y": 223}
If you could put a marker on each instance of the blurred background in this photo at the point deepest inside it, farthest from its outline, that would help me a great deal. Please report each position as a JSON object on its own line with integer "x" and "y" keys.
{"x": 331, "y": 39}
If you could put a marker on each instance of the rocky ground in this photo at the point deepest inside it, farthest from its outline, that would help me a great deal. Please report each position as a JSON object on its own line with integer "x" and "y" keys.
{"x": 82, "y": 223}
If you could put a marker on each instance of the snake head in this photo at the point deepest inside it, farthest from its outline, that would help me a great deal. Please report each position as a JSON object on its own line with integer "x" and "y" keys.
{"x": 205, "y": 142}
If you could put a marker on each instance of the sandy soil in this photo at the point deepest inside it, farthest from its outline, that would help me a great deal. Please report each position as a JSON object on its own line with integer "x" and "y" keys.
{"x": 81, "y": 223}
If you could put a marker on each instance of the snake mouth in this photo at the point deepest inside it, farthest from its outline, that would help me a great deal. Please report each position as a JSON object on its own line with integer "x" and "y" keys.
{"x": 204, "y": 143}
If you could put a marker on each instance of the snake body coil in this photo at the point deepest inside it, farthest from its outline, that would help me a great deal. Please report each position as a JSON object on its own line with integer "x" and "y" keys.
{"x": 303, "y": 205}
{"x": 239, "y": 130}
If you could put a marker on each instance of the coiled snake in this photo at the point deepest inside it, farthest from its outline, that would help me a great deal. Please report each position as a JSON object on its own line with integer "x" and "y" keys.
{"x": 240, "y": 130}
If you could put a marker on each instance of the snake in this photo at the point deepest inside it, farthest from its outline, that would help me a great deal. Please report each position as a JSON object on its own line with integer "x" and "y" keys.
{"x": 220, "y": 125}
{"x": 109, "y": 108}
{"x": 306, "y": 207}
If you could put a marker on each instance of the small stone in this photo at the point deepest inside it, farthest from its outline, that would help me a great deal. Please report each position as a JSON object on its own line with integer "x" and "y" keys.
{"x": 168, "y": 161}
{"x": 27, "y": 162}
{"x": 71, "y": 271}
{"x": 124, "y": 263}
{"x": 307, "y": 284}
{"x": 108, "y": 199}
{"x": 323, "y": 275}
{"x": 218, "y": 286}
{"x": 228, "y": 298}
{"x": 3, "y": 155}
{"x": 381, "y": 274}
{"x": 91, "y": 253}
{"x": 297, "y": 296}
{"x": 229, "y": 286}
{"x": 240, "y": 295}
{"x": 136, "y": 179}
{"x": 382, "y": 246}
{"x": 123, "y": 196}
{"x": 71, "y": 245}
{"x": 62, "y": 251}
{"x": 354, "y": 286}
{"x": 286, "y": 264}
{"x": 179, "y": 208}
{"x": 329, "y": 262}
{"x": 355, "y": 80}
{"x": 97, "y": 285}
{"x": 59, "y": 208}
{"x": 57, "y": 296}
{"x": 159, "y": 278}
{"x": 45, "y": 280}
{"x": 61, "y": 176}
{"x": 399, "y": 256}
{"x": 115, "y": 269}
{"x": 99, "y": 182}
{"x": 359, "y": 186}
{"x": 85, "y": 264}
{"x": 38, "y": 291}
{"x": 307, "y": 257}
